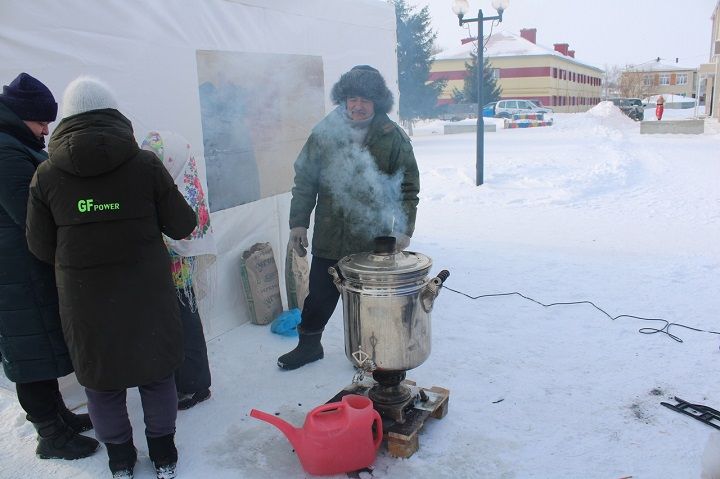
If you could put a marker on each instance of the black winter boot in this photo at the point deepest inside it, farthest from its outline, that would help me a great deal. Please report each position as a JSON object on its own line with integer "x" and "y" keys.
{"x": 308, "y": 350}
{"x": 122, "y": 459}
{"x": 56, "y": 440}
{"x": 188, "y": 400}
{"x": 77, "y": 422}
{"x": 164, "y": 455}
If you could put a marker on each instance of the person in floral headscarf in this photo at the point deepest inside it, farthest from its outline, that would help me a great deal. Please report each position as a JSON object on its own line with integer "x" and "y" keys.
{"x": 191, "y": 260}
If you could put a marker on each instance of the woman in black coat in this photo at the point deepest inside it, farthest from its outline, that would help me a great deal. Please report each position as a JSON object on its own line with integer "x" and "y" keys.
{"x": 32, "y": 347}
{"x": 98, "y": 208}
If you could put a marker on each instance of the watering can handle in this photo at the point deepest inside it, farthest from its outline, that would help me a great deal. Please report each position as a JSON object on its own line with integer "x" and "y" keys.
{"x": 321, "y": 409}
{"x": 378, "y": 430}
{"x": 324, "y": 408}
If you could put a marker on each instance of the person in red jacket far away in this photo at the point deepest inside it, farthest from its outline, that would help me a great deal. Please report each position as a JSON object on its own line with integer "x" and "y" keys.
{"x": 660, "y": 108}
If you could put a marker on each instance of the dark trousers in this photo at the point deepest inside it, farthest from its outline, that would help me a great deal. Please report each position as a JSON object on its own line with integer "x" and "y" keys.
{"x": 109, "y": 415}
{"x": 194, "y": 373}
{"x": 322, "y": 297}
{"x": 39, "y": 399}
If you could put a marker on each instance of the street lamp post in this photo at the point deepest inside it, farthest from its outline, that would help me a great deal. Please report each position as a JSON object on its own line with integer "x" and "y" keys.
{"x": 460, "y": 8}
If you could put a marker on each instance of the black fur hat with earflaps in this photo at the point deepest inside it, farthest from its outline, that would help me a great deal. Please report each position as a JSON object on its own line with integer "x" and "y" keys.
{"x": 364, "y": 81}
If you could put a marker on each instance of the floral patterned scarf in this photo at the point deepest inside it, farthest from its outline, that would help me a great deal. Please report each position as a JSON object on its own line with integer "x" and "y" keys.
{"x": 192, "y": 256}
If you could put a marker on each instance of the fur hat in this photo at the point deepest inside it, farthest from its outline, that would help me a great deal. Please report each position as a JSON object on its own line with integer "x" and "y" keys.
{"x": 364, "y": 81}
{"x": 29, "y": 99}
{"x": 86, "y": 94}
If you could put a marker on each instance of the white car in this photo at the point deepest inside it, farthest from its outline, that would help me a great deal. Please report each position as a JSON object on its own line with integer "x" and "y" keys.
{"x": 507, "y": 108}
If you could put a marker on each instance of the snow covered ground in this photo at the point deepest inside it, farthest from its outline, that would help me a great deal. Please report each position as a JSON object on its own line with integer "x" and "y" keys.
{"x": 585, "y": 210}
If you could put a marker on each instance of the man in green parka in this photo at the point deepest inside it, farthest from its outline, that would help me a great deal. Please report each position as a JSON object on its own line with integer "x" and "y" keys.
{"x": 358, "y": 172}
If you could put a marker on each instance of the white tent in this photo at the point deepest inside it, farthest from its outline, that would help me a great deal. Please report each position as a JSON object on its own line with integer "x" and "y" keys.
{"x": 149, "y": 51}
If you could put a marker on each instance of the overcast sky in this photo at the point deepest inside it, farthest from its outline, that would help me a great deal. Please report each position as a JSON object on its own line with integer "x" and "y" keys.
{"x": 602, "y": 32}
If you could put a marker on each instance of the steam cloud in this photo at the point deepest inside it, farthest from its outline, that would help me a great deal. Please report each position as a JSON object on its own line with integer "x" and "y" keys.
{"x": 370, "y": 199}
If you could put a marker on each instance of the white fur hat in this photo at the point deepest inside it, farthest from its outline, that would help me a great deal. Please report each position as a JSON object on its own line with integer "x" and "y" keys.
{"x": 86, "y": 94}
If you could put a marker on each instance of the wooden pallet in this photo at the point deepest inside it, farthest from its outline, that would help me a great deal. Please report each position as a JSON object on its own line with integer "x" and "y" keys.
{"x": 402, "y": 439}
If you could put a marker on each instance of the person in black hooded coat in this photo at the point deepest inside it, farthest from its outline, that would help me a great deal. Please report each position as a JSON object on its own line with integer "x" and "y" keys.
{"x": 97, "y": 211}
{"x": 32, "y": 346}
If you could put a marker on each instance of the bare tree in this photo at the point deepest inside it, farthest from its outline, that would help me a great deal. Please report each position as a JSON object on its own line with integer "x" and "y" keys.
{"x": 611, "y": 81}
{"x": 636, "y": 83}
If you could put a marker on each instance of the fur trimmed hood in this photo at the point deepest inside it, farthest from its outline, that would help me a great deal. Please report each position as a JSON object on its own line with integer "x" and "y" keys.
{"x": 364, "y": 81}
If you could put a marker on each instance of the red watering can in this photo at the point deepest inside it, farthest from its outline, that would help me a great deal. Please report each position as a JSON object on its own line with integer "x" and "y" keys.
{"x": 336, "y": 437}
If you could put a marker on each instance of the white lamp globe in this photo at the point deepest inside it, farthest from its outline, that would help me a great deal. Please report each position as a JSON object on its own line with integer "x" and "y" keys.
{"x": 500, "y": 5}
{"x": 460, "y": 7}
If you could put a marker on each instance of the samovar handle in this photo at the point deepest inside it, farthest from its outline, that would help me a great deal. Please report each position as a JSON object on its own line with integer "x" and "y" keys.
{"x": 432, "y": 290}
{"x": 337, "y": 277}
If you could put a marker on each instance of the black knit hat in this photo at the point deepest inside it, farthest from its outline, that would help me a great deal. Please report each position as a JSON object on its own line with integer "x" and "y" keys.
{"x": 364, "y": 81}
{"x": 29, "y": 99}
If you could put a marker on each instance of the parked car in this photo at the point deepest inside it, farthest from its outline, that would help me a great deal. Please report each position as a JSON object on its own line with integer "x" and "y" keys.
{"x": 538, "y": 104}
{"x": 489, "y": 109}
{"x": 507, "y": 108}
{"x": 632, "y": 107}
{"x": 635, "y": 108}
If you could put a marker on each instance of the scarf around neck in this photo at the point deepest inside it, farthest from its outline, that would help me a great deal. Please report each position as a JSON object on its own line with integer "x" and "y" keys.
{"x": 358, "y": 128}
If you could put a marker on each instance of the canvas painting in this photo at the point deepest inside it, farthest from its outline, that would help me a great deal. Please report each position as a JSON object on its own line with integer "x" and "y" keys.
{"x": 257, "y": 111}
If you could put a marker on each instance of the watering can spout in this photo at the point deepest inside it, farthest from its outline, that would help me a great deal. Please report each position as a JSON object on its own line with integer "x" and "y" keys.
{"x": 291, "y": 432}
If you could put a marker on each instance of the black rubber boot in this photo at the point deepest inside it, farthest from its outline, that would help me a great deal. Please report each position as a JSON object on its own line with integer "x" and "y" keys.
{"x": 308, "y": 350}
{"x": 122, "y": 459}
{"x": 56, "y": 440}
{"x": 164, "y": 455}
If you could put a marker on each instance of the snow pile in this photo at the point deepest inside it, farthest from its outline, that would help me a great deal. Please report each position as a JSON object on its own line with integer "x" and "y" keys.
{"x": 603, "y": 120}
{"x": 605, "y": 109}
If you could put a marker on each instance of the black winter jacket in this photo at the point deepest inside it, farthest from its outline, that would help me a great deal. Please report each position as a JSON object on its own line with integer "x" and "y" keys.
{"x": 31, "y": 340}
{"x": 97, "y": 211}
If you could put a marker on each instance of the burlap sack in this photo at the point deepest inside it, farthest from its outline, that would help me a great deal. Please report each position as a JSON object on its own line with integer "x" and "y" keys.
{"x": 261, "y": 283}
{"x": 297, "y": 278}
